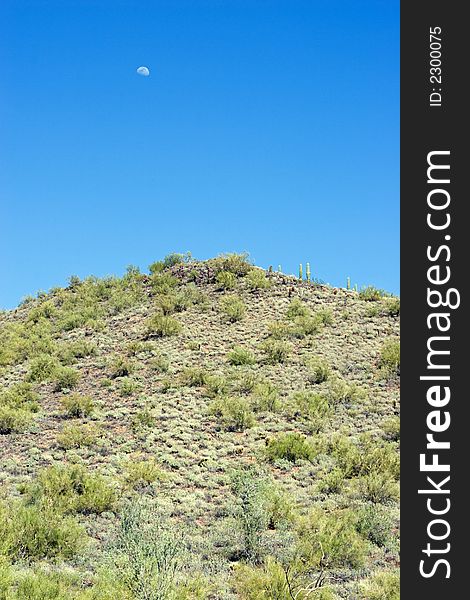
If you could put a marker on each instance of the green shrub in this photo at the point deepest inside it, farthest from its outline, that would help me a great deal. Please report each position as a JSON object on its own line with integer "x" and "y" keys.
{"x": 246, "y": 383}
{"x": 68, "y": 353}
{"x": 216, "y": 385}
{"x": 339, "y": 390}
{"x": 318, "y": 370}
{"x": 235, "y": 413}
{"x": 311, "y": 408}
{"x": 160, "y": 363}
{"x": 304, "y": 326}
{"x": 45, "y": 310}
{"x": 391, "y": 428}
{"x": 389, "y": 361}
{"x": 71, "y": 489}
{"x": 325, "y": 316}
{"x": 163, "y": 283}
{"x": 275, "y": 351}
{"x": 226, "y": 280}
{"x": 194, "y": 377}
{"x": 121, "y": 367}
{"x": 265, "y": 397}
{"x": 297, "y": 308}
{"x": 289, "y": 446}
{"x": 76, "y": 405}
{"x": 332, "y": 535}
{"x": 147, "y": 554}
{"x": 66, "y": 378}
{"x": 377, "y": 487}
{"x": 14, "y": 420}
{"x": 273, "y": 580}
{"x": 45, "y": 585}
{"x": 42, "y": 368}
{"x": 77, "y": 436}
{"x": 162, "y": 326}
{"x": 365, "y": 456}
{"x": 143, "y": 418}
{"x": 257, "y": 280}
{"x": 392, "y": 307}
{"x": 20, "y": 395}
{"x": 238, "y": 264}
{"x": 279, "y": 330}
{"x": 32, "y": 532}
{"x": 143, "y": 472}
{"x": 127, "y": 386}
{"x": 371, "y": 294}
{"x": 376, "y": 525}
{"x": 240, "y": 356}
{"x": 233, "y": 308}
{"x": 383, "y": 585}
{"x": 332, "y": 482}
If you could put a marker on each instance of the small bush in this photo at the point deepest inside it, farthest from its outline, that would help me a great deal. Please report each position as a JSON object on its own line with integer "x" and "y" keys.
{"x": 42, "y": 368}
{"x": 279, "y": 330}
{"x": 377, "y": 487}
{"x": 273, "y": 580}
{"x": 235, "y": 414}
{"x": 69, "y": 353}
{"x": 238, "y": 264}
{"x": 332, "y": 482}
{"x": 162, "y": 326}
{"x": 20, "y": 395}
{"x": 305, "y": 326}
{"x": 265, "y": 397}
{"x": 143, "y": 418}
{"x": 77, "y": 436}
{"x": 391, "y": 429}
{"x": 143, "y": 472}
{"x": 127, "y": 386}
{"x": 240, "y": 356}
{"x": 163, "y": 283}
{"x": 76, "y": 405}
{"x": 392, "y": 307}
{"x": 383, "y": 585}
{"x": 376, "y": 525}
{"x": 275, "y": 351}
{"x": 194, "y": 377}
{"x": 71, "y": 489}
{"x": 257, "y": 280}
{"x": 311, "y": 408}
{"x": 318, "y": 370}
{"x": 233, "y": 308}
{"x": 14, "y": 420}
{"x": 31, "y": 532}
{"x": 66, "y": 378}
{"x": 226, "y": 280}
{"x": 121, "y": 367}
{"x": 389, "y": 361}
{"x": 325, "y": 316}
{"x": 216, "y": 385}
{"x": 372, "y": 294}
{"x": 147, "y": 554}
{"x": 297, "y": 308}
{"x": 289, "y": 446}
{"x": 339, "y": 390}
{"x": 160, "y": 363}
{"x": 333, "y": 535}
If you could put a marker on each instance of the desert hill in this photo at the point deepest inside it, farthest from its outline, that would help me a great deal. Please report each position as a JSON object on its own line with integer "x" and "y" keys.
{"x": 207, "y": 430}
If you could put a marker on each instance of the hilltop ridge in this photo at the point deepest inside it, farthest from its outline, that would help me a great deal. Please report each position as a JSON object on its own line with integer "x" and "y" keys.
{"x": 207, "y": 430}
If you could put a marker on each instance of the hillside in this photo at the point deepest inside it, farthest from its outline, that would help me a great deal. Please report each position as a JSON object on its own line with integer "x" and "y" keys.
{"x": 208, "y": 430}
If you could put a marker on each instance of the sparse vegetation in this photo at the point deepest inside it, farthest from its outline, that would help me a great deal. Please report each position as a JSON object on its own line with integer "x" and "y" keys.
{"x": 209, "y": 430}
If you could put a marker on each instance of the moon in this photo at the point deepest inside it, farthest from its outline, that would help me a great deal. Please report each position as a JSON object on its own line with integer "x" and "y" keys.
{"x": 144, "y": 71}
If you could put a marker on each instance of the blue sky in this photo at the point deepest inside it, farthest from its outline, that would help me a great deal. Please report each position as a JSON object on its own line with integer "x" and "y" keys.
{"x": 266, "y": 126}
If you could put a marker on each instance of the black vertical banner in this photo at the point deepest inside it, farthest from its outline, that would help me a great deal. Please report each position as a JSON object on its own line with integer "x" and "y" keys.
{"x": 435, "y": 254}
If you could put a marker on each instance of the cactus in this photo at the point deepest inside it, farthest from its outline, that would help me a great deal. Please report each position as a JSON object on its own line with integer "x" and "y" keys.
{"x": 270, "y": 269}
{"x": 301, "y": 275}
{"x": 348, "y": 283}
{"x": 355, "y": 287}
{"x": 307, "y": 272}
{"x": 279, "y": 269}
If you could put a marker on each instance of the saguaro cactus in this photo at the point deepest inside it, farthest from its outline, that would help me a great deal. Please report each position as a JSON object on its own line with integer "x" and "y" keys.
{"x": 307, "y": 272}
{"x": 300, "y": 272}
{"x": 348, "y": 283}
